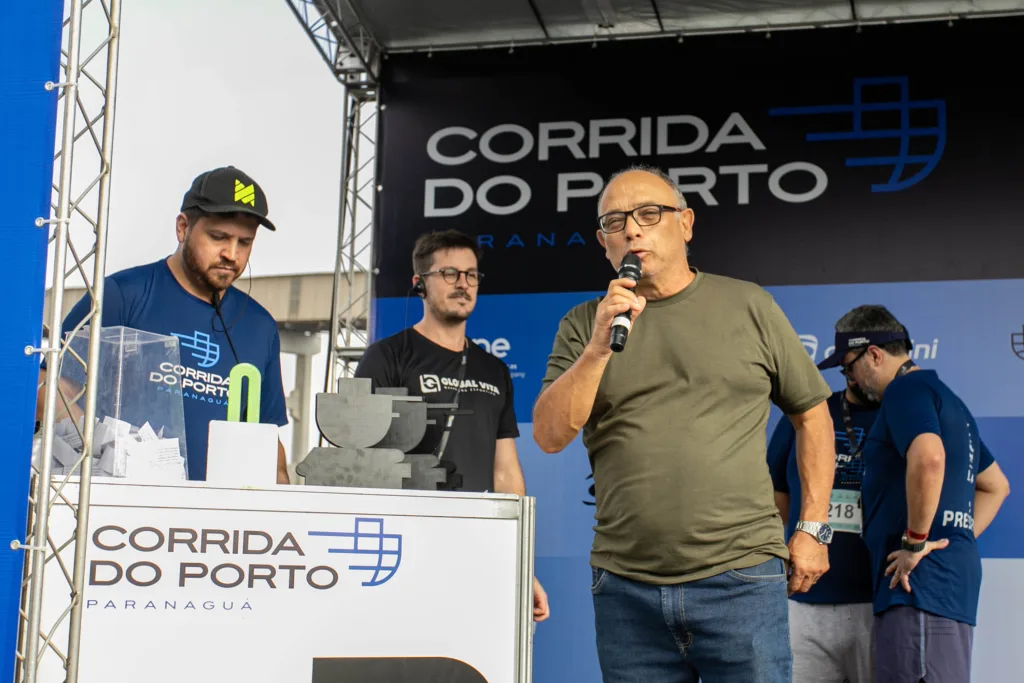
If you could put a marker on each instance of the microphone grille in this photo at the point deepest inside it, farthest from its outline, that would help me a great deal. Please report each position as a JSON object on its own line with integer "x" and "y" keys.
{"x": 630, "y": 266}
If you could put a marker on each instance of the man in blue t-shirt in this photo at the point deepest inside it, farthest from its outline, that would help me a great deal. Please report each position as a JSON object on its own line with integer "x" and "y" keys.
{"x": 189, "y": 295}
{"x": 830, "y": 625}
{"x": 929, "y": 489}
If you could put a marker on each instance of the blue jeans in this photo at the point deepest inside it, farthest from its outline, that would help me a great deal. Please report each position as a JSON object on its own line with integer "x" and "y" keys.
{"x": 728, "y": 628}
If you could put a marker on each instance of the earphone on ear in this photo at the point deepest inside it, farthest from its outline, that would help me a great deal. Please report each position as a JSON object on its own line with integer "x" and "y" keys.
{"x": 419, "y": 288}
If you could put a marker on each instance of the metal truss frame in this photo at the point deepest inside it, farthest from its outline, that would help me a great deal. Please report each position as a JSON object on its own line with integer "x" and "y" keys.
{"x": 353, "y": 269}
{"x": 354, "y": 56}
{"x": 343, "y": 40}
{"x": 80, "y": 211}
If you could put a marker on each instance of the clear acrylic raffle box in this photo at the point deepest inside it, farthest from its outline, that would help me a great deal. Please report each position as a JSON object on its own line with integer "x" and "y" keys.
{"x": 140, "y": 420}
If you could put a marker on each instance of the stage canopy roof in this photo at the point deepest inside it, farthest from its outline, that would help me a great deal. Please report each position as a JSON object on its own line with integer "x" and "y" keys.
{"x": 354, "y": 34}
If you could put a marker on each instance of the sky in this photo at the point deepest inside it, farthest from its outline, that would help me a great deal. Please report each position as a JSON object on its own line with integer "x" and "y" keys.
{"x": 208, "y": 83}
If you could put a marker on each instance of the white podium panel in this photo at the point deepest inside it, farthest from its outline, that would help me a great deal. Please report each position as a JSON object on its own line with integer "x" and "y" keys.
{"x": 326, "y": 585}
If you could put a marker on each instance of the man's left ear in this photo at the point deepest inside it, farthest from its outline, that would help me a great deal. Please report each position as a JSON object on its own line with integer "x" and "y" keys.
{"x": 687, "y": 218}
{"x": 877, "y": 355}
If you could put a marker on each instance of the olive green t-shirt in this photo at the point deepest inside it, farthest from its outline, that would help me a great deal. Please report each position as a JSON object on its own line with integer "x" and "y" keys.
{"x": 677, "y": 438}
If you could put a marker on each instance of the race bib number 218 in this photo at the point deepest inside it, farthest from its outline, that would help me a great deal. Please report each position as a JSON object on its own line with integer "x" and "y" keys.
{"x": 844, "y": 511}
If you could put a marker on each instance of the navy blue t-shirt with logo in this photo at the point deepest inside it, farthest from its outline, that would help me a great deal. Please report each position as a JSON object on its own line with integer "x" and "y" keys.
{"x": 149, "y": 298}
{"x": 848, "y": 579}
{"x": 947, "y": 581}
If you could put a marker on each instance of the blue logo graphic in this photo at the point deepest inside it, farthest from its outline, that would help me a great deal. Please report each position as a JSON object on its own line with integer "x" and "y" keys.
{"x": 1017, "y": 342}
{"x": 203, "y": 350}
{"x": 849, "y": 470}
{"x": 843, "y": 440}
{"x": 905, "y": 133}
{"x": 369, "y": 539}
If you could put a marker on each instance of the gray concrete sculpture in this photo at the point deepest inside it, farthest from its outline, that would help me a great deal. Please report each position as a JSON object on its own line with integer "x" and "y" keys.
{"x": 371, "y": 435}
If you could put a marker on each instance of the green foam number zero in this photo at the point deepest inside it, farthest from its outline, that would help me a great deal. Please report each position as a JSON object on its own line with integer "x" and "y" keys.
{"x": 241, "y": 372}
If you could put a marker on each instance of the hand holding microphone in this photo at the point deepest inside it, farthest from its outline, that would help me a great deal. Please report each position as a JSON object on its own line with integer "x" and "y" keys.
{"x": 619, "y": 308}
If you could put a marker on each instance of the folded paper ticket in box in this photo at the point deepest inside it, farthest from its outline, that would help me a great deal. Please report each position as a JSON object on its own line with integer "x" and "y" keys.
{"x": 138, "y": 401}
{"x": 119, "y": 450}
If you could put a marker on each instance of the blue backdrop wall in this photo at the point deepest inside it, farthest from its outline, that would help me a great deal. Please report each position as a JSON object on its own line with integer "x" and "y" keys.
{"x": 30, "y": 35}
{"x": 834, "y": 168}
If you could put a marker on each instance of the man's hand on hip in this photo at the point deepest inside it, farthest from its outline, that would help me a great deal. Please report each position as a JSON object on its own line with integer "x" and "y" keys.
{"x": 902, "y": 562}
{"x": 808, "y": 561}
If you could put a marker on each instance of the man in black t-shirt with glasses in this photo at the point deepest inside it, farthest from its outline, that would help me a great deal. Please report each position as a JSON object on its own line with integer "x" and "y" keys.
{"x": 433, "y": 358}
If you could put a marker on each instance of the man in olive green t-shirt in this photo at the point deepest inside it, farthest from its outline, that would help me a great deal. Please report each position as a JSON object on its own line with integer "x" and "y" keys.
{"x": 689, "y": 558}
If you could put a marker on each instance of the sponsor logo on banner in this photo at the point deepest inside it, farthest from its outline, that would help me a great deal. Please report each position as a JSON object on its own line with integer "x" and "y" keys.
{"x": 499, "y": 347}
{"x": 865, "y": 102}
{"x": 1017, "y": 343}
{"x": 219, "y": 569}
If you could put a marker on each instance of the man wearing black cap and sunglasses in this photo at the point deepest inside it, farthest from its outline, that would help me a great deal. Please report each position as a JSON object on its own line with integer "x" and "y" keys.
{"x": 830, "y": 624}
{"x": 930, "y": 487}
{"x": 189, "y": 295}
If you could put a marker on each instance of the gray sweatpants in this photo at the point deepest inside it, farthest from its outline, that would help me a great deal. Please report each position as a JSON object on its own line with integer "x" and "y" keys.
{"x": 831, "y": 643}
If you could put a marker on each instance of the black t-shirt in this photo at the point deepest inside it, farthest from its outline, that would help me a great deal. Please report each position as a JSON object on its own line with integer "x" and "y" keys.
{"x": 408, "y": 359}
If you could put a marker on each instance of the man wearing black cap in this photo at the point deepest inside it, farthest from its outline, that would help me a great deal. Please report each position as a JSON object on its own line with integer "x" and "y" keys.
{"x": 830, "y": 624}
{"x": 189, "y": 295}
{"x": 929, "y": 484}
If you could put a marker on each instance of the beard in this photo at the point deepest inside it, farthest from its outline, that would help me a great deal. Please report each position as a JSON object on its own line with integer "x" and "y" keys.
{"x": 863, "y": 396}
{"x": 215, "y": 281}
{"x": 870, "y": 392}
{"x": 451, "y": 316}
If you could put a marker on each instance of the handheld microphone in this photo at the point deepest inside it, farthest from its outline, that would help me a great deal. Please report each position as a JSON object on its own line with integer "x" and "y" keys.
{"x": 630, "y": 268}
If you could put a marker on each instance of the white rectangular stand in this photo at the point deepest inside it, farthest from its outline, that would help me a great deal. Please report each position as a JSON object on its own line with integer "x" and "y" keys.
{"x": 241, "y": 454}
{"x": 318, "y": 584}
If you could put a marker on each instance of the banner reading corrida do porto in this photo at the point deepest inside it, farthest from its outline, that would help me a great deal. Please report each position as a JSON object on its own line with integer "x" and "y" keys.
{"x": 833, "y": 167}
{"x": 809, "y": 157}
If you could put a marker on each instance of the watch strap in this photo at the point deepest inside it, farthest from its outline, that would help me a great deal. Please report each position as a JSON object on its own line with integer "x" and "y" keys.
{"x": 817, "y": 530}
{"x": 912, "y": 546}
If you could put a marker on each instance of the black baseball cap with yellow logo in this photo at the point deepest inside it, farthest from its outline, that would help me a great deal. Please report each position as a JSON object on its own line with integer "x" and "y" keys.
{"x": 227, "y": 190}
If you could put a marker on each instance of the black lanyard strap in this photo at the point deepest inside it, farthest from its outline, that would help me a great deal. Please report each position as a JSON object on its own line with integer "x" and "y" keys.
{"x": 851, "y": 436}
{"x": 905, "y": 368}
{"x": 439, "y": 451}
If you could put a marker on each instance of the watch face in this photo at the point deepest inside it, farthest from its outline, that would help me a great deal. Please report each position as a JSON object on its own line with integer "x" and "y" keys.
{"x": 825, "y": 533}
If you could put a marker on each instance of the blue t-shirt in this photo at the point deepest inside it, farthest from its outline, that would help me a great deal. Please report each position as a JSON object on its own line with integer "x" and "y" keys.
{"x": 149, "y": 298}
{"x": 947, "y": 581}
{"x": 848, "y": 579}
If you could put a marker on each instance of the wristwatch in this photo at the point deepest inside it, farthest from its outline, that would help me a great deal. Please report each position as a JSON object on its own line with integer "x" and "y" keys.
{"x": 821, "y": 531}
{"x": 914, "y": 547}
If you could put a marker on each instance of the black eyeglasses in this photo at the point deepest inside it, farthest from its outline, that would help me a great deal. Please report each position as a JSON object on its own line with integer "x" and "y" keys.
{"x": 847, "y": 368}
{"x": 649, "y": 214}
{"x": 452, "y": 275}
